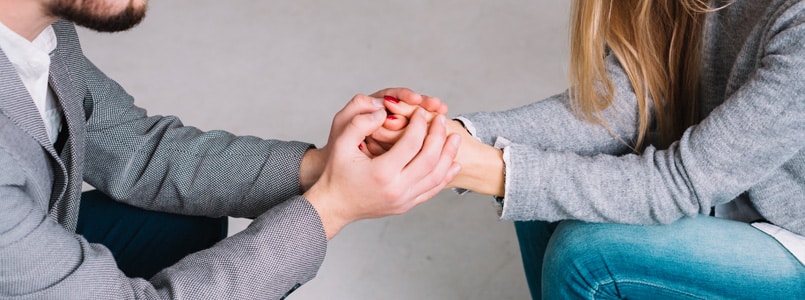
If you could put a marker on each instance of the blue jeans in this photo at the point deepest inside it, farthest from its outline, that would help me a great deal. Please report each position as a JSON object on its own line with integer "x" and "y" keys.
{"x": 693, "y": 258}
{"x": 144, "y": 242}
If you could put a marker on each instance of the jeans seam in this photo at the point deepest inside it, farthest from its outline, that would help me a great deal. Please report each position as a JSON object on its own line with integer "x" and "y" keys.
{"x": 600, "y": 284}
{"x": 594, "y": 292}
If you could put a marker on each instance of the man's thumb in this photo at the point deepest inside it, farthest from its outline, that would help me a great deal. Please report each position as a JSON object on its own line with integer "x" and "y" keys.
{"x": 362, "y": 126}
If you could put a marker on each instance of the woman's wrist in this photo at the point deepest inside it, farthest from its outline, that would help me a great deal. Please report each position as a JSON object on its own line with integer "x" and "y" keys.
{"x": 482, "y": 167}
{"x": 482, "y": 171}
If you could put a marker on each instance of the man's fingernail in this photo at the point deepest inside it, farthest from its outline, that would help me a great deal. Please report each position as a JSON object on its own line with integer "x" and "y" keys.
{"x": 441, "y": 119}
{"x": 454, "y": 170}
{"x": 378, "y": 103}
{"x": 379, "y": 114}
{"x": 391, "y": 99}
{"x": 455, "y": 141}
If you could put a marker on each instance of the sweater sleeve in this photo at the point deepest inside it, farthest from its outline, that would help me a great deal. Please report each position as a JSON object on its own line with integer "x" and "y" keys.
{"x": 754, "y": 132}
{"x": 551, "y": 124}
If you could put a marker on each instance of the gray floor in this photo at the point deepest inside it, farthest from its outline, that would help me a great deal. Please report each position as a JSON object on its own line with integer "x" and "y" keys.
{"x": 281, "y": 69}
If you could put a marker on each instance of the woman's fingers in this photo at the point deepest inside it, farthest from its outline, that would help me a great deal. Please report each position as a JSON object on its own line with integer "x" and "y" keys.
{"x": 407, "y": 96}
{"x": 400, "y": 108}
{"x": 399, "y": 94}
{"x": 433, "y": 104}
{"x": 375, "y": 148}
{"x": 365, "y": 148}
{"x": 395, "y": 121}
{"x": 406, "y": 110}
{"x": 386, "y": 136}
{"x": 408, "y": 146}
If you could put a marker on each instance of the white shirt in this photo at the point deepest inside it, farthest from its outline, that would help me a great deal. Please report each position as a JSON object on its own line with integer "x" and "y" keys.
{"x": 32, "y": 62}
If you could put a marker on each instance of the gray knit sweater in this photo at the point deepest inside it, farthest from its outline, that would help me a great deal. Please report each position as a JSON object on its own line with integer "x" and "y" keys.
{"x": 749, "y": 143}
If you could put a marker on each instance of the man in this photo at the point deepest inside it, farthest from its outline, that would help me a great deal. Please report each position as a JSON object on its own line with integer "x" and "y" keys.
{"x": 62, "y": 121}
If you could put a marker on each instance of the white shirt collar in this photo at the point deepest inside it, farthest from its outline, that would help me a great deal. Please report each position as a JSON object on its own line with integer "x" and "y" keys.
{"x": 20, "y": 51}
{"x": 32, "y": 62}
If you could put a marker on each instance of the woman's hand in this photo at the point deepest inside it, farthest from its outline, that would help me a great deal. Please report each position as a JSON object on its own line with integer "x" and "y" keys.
{"x": 407, "y": 96}
{"x": 354, "y": 186}
{"x": 399, "y": 113}
{"x": 482, "y": 165}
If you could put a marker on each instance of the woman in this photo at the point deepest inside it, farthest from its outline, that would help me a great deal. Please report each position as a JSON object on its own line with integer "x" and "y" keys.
{"x": 682, "y": 114}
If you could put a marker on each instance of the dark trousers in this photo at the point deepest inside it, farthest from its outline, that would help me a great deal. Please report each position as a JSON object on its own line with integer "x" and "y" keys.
{"x": 533, "y": 237}
{"x": 145, "y": 242}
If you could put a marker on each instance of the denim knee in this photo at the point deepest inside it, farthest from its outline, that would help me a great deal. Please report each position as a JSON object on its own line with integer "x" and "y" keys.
{"x": 693, "y": 258}
{"x": 574, "y": 267}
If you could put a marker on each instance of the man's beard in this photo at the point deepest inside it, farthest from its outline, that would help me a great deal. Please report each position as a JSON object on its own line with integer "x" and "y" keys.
{"x": 92, "y": 14}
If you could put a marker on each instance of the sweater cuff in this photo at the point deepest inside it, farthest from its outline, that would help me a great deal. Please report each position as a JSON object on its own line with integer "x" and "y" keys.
{"x": 504, "y": 145}
{"x": 469, "y": 126}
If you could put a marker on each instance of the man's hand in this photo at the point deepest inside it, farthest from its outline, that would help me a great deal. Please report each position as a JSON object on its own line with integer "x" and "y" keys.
{"x": 313, "y": 161}
{"x": 354, "y": 186}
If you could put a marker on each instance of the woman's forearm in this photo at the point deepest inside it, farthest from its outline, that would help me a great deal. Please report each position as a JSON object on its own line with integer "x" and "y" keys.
{"x": 482, "y": 167}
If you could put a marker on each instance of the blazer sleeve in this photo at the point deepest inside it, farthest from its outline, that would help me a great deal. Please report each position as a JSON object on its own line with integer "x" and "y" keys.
{"x": 157, "y": 163}
{"x": 753, "y": 133}
{"x": 40, "y": 259}
{"x": 551, "y": 124}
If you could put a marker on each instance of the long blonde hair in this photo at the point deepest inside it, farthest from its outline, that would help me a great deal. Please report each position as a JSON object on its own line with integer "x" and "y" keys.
{"x": 658, "y": 44}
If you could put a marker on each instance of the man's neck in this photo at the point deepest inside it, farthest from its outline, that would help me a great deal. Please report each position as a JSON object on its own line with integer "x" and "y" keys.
{"x": 25, "y": 17}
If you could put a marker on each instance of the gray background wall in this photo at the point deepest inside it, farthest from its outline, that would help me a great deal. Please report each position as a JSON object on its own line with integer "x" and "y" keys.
{"x": 281, "y": 69}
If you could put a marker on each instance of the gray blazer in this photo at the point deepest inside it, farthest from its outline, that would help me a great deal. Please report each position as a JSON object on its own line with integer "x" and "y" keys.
{"x": 151, "y": 162}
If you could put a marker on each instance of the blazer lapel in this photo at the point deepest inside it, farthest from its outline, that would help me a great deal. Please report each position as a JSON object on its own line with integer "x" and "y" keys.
{"x": 71, "y": 100}
{"x": 17, "y": 104}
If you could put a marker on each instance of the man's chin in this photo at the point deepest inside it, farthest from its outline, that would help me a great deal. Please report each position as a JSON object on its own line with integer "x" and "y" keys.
{"x": 130, "y": 17}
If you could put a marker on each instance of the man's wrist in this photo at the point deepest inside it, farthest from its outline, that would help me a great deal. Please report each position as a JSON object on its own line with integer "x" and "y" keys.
{"x": 310, "y": 168}
{"x": 330, "y": 221}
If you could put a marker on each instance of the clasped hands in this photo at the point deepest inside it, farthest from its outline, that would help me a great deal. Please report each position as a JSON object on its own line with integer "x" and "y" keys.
{"x": 376, "y": 163}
